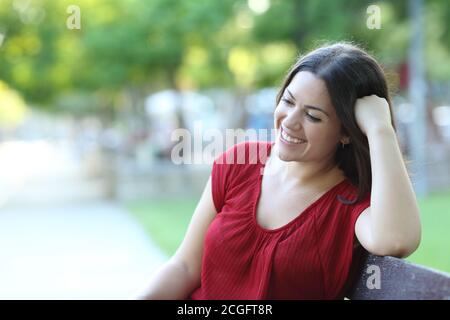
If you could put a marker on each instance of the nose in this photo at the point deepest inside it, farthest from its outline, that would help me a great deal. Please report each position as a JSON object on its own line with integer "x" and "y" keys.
{"x": 293, "y": 120}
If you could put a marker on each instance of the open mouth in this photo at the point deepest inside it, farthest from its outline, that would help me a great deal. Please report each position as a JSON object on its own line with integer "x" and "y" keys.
{"x": 289, "y": 139}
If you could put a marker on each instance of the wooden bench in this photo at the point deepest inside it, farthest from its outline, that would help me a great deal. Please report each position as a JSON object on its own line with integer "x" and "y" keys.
{"x": 389, "y": 278}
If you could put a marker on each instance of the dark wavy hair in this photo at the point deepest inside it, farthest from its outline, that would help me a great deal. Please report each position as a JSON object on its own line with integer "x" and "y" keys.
{"x": 349, "y": 73}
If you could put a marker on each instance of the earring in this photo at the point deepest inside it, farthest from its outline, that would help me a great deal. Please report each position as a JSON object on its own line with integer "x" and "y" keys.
{"x": 343, "y": 144}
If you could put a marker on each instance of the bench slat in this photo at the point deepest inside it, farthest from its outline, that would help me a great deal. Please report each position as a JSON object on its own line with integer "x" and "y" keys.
{"x": 398, "y": 280}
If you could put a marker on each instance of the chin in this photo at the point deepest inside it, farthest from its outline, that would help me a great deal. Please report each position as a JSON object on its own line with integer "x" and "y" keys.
{"x": 286, "y": 156}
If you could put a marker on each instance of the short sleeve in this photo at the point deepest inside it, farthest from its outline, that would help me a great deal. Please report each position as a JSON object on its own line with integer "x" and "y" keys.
{"x": 220, "y": 177}
{"x": 232, "y": 165}
{"x": 357, "y": 251}
{"x": 336, "y": 233}
{"x": 359, "y": 207}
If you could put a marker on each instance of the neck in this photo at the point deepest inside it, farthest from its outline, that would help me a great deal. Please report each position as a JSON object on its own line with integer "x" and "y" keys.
{"x": 317, "y": 173}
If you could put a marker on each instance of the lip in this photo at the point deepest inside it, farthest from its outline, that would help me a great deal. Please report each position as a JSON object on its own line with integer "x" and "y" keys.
{"x": 287, "y": 142}
{"x": 293, "y": 136}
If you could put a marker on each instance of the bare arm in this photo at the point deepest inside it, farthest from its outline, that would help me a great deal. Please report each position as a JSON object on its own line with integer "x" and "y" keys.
{"x": 171, "y": 281}
{"x": 177, "y": 278}
{"x": 391, "y": 225}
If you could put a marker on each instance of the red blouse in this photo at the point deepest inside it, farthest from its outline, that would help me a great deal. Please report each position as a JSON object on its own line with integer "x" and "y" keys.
{"x": 308, "y": 258}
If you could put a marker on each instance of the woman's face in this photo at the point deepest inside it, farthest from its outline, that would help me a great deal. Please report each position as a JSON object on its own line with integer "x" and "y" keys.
{"x": 305, "y": 121}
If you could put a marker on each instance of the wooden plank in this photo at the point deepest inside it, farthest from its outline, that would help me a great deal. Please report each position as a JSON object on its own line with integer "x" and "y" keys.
{"x": 389, "y": 278}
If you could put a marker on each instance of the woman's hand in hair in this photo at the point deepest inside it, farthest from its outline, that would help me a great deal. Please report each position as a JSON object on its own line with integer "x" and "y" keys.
{"x": 372, "y": 112}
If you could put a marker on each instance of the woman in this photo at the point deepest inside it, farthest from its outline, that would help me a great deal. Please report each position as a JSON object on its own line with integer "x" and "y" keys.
{"x": 337, "y": 184}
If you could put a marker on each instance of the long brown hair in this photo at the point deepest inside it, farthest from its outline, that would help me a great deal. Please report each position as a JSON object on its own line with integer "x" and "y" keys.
{"x": 349, "y": 73}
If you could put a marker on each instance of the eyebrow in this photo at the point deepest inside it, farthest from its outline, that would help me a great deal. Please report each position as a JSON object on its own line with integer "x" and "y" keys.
{"x": 306, "y": 106}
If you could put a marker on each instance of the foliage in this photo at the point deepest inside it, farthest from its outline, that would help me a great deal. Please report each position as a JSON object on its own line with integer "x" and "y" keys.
{"x": 137, "y": 45}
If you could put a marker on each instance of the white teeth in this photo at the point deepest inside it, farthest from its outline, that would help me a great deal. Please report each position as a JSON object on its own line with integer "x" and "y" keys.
{"x": 291, "y": 139}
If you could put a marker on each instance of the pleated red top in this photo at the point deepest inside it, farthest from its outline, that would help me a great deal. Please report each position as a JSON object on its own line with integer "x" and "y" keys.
{"x": 308, "y": 258}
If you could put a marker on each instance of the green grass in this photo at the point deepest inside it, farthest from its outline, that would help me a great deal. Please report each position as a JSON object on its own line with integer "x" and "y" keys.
{"x": 434, "y": 250}
{"x": 166, "y": 222}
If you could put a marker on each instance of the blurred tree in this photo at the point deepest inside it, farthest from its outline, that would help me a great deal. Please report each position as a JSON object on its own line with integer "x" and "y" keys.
{"x": 12, "y": 108}
{"x": 126, "y": 48}
{"x": 121, "y": 43}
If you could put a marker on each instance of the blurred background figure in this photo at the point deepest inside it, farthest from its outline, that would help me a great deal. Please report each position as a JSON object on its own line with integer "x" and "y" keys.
{"x": 91, "y": 201}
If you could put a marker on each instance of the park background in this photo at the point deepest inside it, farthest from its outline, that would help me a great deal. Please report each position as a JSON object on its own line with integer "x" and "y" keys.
{"x": 91, "y": 90}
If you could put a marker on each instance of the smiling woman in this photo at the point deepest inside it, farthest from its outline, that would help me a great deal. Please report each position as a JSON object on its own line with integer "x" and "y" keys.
{"x": 332, "y": 184}
{"x": 334, "y": 77}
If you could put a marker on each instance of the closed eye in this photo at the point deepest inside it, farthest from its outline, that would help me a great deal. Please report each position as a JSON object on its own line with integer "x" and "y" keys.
{"x": 313, "y": 119}
{"x": 287, "y": 101}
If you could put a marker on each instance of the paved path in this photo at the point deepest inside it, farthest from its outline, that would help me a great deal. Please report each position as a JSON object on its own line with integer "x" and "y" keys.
{"x": 58, "y": 238}
{"x": 89, "y": 251}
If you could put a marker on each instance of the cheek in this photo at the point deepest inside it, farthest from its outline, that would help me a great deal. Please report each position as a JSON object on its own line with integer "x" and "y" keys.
{"x": 277, "y": 116}
{"x": 326, "y": 138}
{"x": 314, "y": 133}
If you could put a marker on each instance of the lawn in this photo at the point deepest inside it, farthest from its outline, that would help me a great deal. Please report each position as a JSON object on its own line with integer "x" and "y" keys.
{"x": 166, "y": 222}
{"x": 434, "y": 250}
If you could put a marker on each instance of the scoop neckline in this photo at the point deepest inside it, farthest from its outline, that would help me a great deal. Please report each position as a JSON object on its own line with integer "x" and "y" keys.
{"x": 300, "y": 216}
